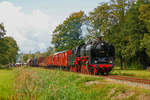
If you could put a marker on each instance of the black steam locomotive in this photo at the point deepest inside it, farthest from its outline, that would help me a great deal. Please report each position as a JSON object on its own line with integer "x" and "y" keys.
{"x": 94, "y": 57}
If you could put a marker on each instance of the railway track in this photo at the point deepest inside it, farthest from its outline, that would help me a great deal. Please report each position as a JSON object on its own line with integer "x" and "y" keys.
{"x": 129, "y": 79}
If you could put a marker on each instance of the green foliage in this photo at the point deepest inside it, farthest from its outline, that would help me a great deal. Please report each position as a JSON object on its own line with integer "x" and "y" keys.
{"x": 50, "y": 50}
{"x": 4, "y": 66}
{"x": 145, "y": 14}
{"x": 2, "y": 30}
{"x": 145, "y": 43}
{"x": 69, "y": 34}
{"x": 132, "y": 31}
{"x": 128, "y": 34}
{"x": 25, "y": 58}
{"x": 99, "y": 19}
{"x": 107, "y": 15}
{"x": 8, "y": 50}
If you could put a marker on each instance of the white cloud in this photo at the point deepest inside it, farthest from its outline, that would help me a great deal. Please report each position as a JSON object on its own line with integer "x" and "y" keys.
{"x": 31, "y": 31}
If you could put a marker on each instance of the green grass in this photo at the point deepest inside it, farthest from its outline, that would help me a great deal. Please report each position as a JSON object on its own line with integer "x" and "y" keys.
{"x": 133, "y": 73}
{"x": 43, "y": 84}
{"x": 6, "y": 83}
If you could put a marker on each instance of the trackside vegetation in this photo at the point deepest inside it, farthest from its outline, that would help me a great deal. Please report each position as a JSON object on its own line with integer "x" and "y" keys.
{"x": 42, "y": 84}
{"x": 145, "y": 74}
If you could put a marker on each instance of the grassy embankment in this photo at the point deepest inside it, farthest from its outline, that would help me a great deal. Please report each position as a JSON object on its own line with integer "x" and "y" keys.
{"x": 133, "y": 73}
{"x": 43, "y": 84}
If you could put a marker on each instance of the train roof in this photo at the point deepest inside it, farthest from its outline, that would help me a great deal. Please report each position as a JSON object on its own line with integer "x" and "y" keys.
{"x": 60, "y": 52}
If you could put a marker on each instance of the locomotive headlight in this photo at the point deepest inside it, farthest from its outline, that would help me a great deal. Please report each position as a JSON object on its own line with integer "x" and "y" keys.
{"x": 102, "y": 43}
{"x": 95, "y": 61}
{"x": 111, "y": 61}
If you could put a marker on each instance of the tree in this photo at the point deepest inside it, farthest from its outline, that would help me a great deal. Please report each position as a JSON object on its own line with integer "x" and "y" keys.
{"x": 50, "y": 50}
{"x": 2, "y": 30}
{"x": 107, "y": 15}
{"x": 99, "y": 20}
{"x": 145, "y": 43}
{"x": 25, "y": 57}
{"x": 12, "y": 49}
{"x": 9, "y": 50}
{"x": 69, "y": 34}
{"x": 132, "y": 30}
{"x": 145, "y": 16}
{"x": 3, "y": 51}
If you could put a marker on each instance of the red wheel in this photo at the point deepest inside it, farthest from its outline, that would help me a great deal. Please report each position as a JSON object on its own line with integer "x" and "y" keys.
{"x": 70, "y": 68}
{"x": 81, "y": 68}
{"x": 95, "y": 71}
{"x": 75, "y": 69}
{"x": 85, "y": 70}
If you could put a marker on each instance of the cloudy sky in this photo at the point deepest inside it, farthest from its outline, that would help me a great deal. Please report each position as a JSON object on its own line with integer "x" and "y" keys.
{"x": 31, "y": 22}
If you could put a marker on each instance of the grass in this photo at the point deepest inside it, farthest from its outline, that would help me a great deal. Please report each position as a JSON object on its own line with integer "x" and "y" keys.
{"x": 6, "y": 83}
{"x": 43, "y": 84}
{"x": 133, "y": 73}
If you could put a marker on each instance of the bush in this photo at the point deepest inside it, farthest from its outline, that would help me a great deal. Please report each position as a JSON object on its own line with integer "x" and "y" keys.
{"x": 136, "y": 66}
{"x": 4, "y": 66}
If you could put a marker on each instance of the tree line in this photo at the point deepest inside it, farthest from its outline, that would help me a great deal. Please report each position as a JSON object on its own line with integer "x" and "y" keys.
{"x": 123, "y": 23}
{"x": 8, "y": 48}
{"x": 50, "y": 50}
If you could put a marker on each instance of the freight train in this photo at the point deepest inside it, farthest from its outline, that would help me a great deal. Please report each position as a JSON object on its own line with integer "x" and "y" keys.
{"x": 95, "y": 57}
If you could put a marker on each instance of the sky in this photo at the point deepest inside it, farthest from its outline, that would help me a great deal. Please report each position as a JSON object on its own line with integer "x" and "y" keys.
{"x": 31, "y": 22}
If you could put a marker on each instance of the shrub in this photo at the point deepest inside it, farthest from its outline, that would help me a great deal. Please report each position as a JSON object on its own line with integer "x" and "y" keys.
{"x": 4, "y": 66}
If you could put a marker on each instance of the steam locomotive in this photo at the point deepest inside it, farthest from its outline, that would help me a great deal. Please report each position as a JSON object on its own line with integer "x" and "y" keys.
{"x": 95, "y": 57}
